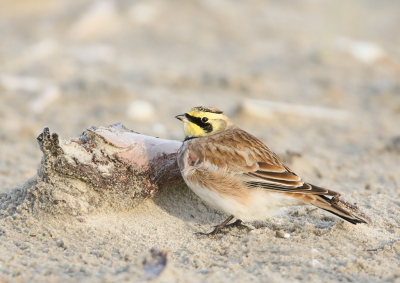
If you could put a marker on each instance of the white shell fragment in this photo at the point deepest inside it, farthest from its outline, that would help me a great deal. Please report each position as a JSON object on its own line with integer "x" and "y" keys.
{"x": 315, "y": 263}
{"x": 141, "y": 110}
{"x": 366, "y": 52}
{"x": 281, "y": 234}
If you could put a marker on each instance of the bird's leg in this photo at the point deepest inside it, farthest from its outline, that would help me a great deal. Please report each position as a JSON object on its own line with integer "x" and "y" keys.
{"x": 219, "y": 227}
{"x": 238, "y": 224}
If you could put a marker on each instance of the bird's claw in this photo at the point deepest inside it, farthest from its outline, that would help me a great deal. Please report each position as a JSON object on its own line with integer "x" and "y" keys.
{"x": 219, "y": 230}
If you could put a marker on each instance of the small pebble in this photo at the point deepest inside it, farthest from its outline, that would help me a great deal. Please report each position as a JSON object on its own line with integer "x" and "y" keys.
{"x": 60, "y": 243}
{"x": 394, "y": 145}
{"x": 367, "y": 52}
{"x": 281, "y": 234}
{"x": 315, "y": 263}
{"x": 141, "y": 110}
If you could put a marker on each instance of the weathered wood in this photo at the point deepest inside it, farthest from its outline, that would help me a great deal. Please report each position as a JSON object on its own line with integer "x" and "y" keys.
{"x": 103, "y": 167}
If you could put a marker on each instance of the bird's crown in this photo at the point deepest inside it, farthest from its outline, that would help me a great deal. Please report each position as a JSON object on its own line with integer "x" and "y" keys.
{"x": 206, "y": 109}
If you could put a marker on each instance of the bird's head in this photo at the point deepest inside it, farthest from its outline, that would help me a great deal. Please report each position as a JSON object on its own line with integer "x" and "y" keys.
{"x": 204, "y": 121}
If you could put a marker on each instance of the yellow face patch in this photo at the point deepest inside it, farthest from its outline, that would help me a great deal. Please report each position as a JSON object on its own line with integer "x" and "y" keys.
{"x": 203, "y": 121}
{"x": 193, "y": 130}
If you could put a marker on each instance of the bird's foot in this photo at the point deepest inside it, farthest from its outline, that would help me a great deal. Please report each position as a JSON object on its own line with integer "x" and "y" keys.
{"x": 220, "y": 229}
{"x": 238, "y": 224}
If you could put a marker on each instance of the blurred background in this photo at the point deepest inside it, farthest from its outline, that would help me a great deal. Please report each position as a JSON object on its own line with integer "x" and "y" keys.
{"x": 70, "y": 65}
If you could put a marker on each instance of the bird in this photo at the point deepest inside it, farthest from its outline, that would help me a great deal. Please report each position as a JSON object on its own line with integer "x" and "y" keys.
{"x": 234, "y": 172}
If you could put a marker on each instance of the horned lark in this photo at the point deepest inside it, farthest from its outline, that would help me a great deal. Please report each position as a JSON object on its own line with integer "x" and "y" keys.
{"x": 236, "y": 173}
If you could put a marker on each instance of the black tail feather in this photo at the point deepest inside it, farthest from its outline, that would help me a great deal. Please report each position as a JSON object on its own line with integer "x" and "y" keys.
{"x": 346, "y": 214}
{"x": 348, "y": 219}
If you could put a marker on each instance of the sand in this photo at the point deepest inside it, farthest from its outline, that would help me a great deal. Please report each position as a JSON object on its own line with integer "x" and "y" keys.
{"x": 72, "y": 65}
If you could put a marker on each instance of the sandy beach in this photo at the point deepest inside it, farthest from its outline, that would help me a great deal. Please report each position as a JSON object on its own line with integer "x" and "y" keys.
{"x": 333, "y": 68}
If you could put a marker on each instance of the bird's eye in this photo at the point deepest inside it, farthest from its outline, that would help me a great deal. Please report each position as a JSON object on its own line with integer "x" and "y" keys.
{"x": 204, "y": 119}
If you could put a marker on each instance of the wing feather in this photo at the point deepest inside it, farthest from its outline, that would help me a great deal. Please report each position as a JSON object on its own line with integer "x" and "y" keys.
{"x": 249, "y": 159}
{"x": 270, "y": 168}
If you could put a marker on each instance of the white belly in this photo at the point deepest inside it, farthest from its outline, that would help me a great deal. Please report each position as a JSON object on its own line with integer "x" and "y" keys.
{"x": 259, "y": 205}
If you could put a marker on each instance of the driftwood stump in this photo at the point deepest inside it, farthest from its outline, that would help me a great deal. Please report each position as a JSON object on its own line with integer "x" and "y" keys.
{"x": 103, "y": 167}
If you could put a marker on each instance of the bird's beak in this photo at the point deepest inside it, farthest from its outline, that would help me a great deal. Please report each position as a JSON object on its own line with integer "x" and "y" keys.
{"x": 181, "y": 117}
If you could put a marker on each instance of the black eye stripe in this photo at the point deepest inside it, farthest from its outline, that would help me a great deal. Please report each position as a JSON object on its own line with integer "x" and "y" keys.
{"x": 198, "y": 121}
{"x": 193, "y": 119}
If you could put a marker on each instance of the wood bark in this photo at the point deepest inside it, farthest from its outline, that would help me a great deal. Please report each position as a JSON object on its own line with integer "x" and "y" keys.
{"x": 102, "y": 167}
